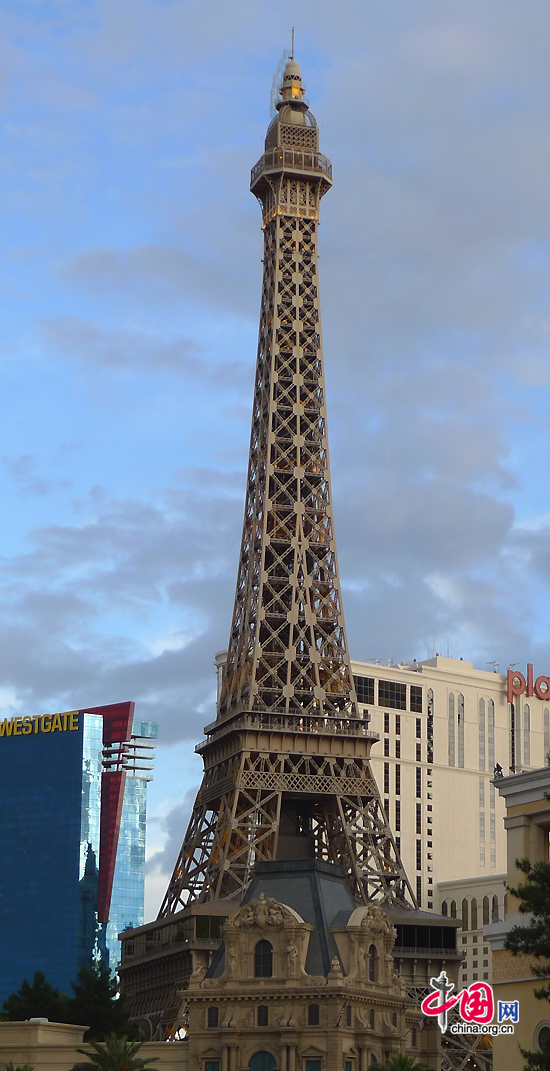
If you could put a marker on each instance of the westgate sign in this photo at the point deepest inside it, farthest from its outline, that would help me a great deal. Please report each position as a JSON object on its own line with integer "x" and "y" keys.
{"x": 41, "y": 723}
{"x": 517, "y": 684}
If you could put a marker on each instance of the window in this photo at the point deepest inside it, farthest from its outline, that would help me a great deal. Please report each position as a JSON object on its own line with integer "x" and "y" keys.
{"x": 387, "y": 778}
{"x": 213, "y": 1017}
{"x": 482, "y": 734}
{"x": 512, "y": 721}
{"x": 494, "y": 912}
{"x": 543, "y": 1040}
{"x": 485, "y": 910}
{"x": 460, "y": 732}
{"x": 209, "y": 926}
{"x": 453, "y": 909}
{"x": 419, "y": 782}
{"x": 413, "y": 1038}
{"x": 263, "y": 960}
{"x": 371, "y": 1018}
{"x": 419, "y": 855}
{"x": 419, "y": 727}
{"x": 392, "y": 694}
{"x": 372, "y": 963}
{"x": 263, "y": 1015}
{"x": 397, "y": 724}
{"x": 398, "y": 815}
{"x": 430, "y": 726}
{"x": 394, "y": 1019}
{"x": 348, "y": 1014}
{"x": 386, "y": 746}
{"x": 398, "y": 844}
{"x": 419, "y": 752}
{"x": 491, "y": 733}
{"x": 474, "y": 913}
{"x": 312, "y": 1065}
{"x": 398, "y": 749}
{"x": 386, "y": 723}
{"x": 452, "y": 755}
{"x": 418, "y": 818}
{"x": 387, "y": 809}
{"x": 416, "y": 698}
{"x": 364, "y": 686}
{"x": 444, "y": 908}
{"x": 212, "y": 1065}
{"x": 464, "y": 914}
{"x": 313, "y": 1015}
{"x": 482, "y": 821}
{"x": 397, "y": 780}
{"x": 262, "y": 1061}
{"x": 419, "y": 891}
{"x": 347, "y": 1065}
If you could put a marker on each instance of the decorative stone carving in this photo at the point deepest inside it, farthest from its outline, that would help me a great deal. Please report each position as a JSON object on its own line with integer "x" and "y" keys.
{"x": 262, "y": 912}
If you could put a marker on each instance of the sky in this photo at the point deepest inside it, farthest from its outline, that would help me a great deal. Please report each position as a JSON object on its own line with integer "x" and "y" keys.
{"x": 130, "y": 279}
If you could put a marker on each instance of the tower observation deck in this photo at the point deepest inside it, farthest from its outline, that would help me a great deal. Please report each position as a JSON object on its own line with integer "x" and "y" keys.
{"x": 286, "y": 763}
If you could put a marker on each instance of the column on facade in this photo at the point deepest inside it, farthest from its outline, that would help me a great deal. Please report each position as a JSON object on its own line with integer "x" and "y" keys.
{"x": 291, "y": 1058}
{"x": 363, "y": 1058}
{"x": 284, "y": 1064}
{"x": 225, "y": 1058}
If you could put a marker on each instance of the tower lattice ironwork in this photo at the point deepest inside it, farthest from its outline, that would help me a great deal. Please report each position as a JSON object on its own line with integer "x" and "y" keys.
{"x": 287, "y": 770}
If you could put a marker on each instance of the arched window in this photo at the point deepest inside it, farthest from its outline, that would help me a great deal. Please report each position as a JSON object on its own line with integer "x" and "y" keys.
{"x": 494, "y": 912}
{"x": 263, "y": 1015}
{"x": 213, "y": 1016}
{"x": 313, "y": 1015}
{"x": 464, "y": 914}
{"x": 485, "y": 910}
{"x": 372, "y": 963}
{"x": 371, "y": 1018}
{"x": 451, "y": 729}
{"x": 543, "y": 1039}
{"x": 482, "y": 734}
{"x": 263, "y": 960}
{"x": 474, "y": 913}
{"x": 491, "y": 732}
{"x": 262, "y": 1061}
{"x": 460, "y": 760}
{"x": 453, "y": 909}
{"x": 444, "y": 908}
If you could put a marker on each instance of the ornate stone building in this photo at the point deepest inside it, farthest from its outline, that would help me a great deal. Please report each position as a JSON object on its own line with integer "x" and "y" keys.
{"x": 290, "y": 994}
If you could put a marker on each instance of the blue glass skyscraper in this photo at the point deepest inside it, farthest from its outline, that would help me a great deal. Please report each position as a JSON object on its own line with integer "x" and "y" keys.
{"x": 72, "y": 840}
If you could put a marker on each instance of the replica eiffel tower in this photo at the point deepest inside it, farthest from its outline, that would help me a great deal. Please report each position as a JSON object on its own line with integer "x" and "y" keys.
{"x": 287, "y": 771}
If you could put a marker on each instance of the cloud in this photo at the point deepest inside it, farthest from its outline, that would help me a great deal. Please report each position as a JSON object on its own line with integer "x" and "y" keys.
{"x": 22, "y": 471}
{"x": 172, "y": 827}
{"x": 83, "y": 610}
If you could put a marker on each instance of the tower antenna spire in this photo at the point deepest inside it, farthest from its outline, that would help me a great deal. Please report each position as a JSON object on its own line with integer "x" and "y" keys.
{"x": 292, "y": 44}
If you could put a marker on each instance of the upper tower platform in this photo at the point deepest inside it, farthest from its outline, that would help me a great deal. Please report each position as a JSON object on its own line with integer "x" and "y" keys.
{"x": 291, "y": 148}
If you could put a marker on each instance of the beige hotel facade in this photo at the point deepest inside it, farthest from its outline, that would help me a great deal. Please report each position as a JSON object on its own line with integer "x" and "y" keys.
{"x": 444, "y": 726}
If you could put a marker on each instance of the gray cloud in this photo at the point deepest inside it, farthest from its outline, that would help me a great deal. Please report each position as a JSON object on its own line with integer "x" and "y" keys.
{"x": 22, "y": 471}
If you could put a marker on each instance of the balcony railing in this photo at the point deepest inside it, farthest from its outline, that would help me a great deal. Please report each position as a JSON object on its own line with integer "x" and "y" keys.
{"x": 293, "y": 161}
{"x": 296, "y": 723}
